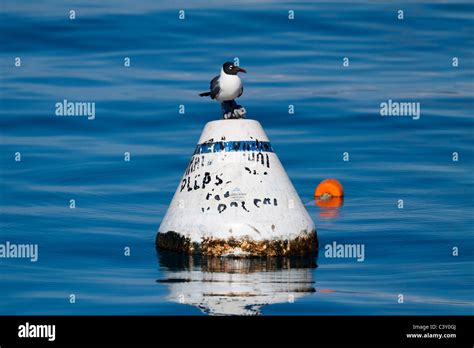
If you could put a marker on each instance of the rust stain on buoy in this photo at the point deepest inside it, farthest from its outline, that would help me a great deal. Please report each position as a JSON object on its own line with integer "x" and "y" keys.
{"x": 244, "y": 247}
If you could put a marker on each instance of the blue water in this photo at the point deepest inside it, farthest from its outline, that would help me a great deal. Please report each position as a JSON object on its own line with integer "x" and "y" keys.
{"x": 296, "y": 62}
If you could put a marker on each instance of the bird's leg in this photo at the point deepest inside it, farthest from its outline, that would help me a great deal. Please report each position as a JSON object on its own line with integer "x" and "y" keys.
{"x": 238, "y": 111}
{"x": 230, "y": 109}
{"x": 233, "y": 105}
{"x": 226, "y": 107}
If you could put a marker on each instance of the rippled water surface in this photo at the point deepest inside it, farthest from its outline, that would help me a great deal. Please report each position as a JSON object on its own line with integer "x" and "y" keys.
{"x": 296, "y": 62}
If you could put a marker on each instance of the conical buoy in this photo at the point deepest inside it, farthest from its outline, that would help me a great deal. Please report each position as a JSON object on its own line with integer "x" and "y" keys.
{"x": 235, "y": 199}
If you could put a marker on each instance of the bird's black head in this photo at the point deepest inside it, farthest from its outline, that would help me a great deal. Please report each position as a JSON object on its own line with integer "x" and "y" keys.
{"x": 231, "y": 69}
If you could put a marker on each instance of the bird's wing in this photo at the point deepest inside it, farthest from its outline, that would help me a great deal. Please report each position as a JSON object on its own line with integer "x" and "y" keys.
{"x": 241, "y": 90}
{"x": 215, "y": 88}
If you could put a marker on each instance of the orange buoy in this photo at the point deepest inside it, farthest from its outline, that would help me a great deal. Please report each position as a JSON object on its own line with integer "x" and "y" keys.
{"x": 326, "y": 290}
{"x": 329, "y": 188}
{"x": 330, "y": 202}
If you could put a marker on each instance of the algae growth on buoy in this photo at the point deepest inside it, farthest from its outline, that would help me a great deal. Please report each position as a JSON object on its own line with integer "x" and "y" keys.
{"x": 235, "y": 199}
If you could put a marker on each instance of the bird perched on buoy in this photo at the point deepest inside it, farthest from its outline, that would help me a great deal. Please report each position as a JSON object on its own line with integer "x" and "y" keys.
{"x": 226, "y": 88}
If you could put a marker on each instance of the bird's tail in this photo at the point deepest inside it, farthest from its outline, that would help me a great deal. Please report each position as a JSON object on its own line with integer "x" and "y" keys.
{"x": 205, "y": 94}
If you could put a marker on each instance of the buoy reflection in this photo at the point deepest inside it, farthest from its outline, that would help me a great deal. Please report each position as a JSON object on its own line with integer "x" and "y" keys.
{"x": 230, "y": 286}
{"x": 329, "y": 207}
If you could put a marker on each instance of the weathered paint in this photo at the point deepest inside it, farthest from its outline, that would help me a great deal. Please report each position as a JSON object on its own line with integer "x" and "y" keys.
{"x": 236, "y": 199}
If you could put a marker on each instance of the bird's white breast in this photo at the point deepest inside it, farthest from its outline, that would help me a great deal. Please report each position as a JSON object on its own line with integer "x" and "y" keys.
{"x": 230, "y": 86}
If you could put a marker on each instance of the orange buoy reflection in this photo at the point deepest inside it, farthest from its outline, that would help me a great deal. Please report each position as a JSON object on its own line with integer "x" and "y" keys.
{"x": 329, "y": 206}
{"x": 326, "y": 290}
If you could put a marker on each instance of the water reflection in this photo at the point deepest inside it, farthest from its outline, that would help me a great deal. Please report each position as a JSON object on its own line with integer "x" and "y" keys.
{"x": 226, "y": 286}
{"x": 329, "y": 207}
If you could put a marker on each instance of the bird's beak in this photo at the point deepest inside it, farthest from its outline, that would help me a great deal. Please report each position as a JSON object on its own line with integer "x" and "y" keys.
{"x": 242, "y": 70}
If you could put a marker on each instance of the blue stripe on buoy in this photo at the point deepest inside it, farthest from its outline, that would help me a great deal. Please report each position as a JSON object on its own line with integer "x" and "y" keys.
{"x": 230, "y": 146}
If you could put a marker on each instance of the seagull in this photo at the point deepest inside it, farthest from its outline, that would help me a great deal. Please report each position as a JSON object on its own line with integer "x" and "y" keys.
{"x": 225, "y": 88}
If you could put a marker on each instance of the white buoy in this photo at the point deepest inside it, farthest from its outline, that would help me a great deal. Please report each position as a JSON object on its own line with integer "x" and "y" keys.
{"x": 235, "y": 199}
